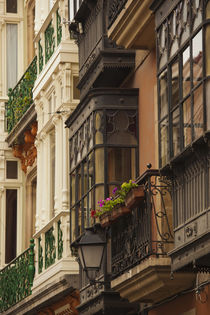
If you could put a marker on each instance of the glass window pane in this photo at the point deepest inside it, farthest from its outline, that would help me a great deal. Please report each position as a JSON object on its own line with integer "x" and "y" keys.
{"x": 99, "y": 195}
{"x": 99, "y": 128}
{"x": 91, "y": 170}
{"x": 11, "y": 225}
{"x": 12, "y": 55}
{"x": 185, "y": 20}
{"x": 197, "y": 12}
{"x": 76, "y": 91}
{"x": 120, "y": 166}
{"x": 208, "y": 10}
{"x": 12, "y": 170}
{"x": 187, "y": 121}
{"x": 176, "y": 132}
{"x": 174, "y": 84}
{"x": 164, "y": 142}
{"x": 99, "y": 165}
{"x": 72, "y": 194}
{"x": 207, "y": 39}
{"x": 207, "y": 88}
{"x": 163, "y": 94}
{"x": 78, "y": 184}
{"x": 197, "y": 54}
{"x": 186, "y": 71}
{"x": 11, "y": 6}
{"x": 85, "y": 177}
{"x": 73, "y": 224}
{"x": 86, "y": 212}
{"x": 121, "y": 127}
{"x": 198, "y": 112}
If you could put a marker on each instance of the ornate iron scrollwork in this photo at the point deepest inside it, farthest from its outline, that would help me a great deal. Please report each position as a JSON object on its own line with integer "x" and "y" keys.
{"x": 133, "y": 238}
{"x": 16, "y": 279}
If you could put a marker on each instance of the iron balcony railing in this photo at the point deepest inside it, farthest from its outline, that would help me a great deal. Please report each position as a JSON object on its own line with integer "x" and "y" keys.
{"x": 49, "y": 37}
{"x": 16, "y": 279}
{"x": 52, "y": 243}
{"x": 21, "y": 96}
{"x": 147, "y": 230}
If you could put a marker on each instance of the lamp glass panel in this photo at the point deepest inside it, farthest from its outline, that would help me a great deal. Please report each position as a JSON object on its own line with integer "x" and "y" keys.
{"x": 93, "y": 255}
{"x": 81, "y": 257}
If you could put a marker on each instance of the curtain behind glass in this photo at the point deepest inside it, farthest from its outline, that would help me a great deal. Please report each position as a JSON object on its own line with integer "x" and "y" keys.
{"x": 12, "y": 54}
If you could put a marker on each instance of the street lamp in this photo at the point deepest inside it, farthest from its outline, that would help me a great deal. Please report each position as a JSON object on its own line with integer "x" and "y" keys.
{"x": 91, "y": 248}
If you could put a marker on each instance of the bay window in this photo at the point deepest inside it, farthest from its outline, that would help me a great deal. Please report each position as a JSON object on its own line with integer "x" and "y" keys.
{"x": 183, "y": 53}
{"x": 103, "y": 154}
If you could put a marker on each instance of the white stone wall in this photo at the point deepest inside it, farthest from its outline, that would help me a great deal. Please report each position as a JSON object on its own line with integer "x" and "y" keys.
{"x": 5, "y": 151}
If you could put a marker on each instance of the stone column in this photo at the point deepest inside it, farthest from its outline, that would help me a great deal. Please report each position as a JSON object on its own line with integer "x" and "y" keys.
{"x": 65, "y": 171}
{"x": 38, "y": 145}
{"x": 58, "y": 162}
{"x": 2, "y": 227}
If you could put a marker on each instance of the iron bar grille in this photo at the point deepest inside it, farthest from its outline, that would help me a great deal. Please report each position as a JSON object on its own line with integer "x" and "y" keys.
{"x": 147, "y": 230}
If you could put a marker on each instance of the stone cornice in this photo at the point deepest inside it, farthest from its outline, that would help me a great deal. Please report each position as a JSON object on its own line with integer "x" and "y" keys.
{"x": 130, "y": 26}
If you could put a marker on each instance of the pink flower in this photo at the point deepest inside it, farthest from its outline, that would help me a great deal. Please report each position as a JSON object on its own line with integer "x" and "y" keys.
{"x": 114, "y": 190}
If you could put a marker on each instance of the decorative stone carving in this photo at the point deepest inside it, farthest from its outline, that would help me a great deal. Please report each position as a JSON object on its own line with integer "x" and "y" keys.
{"x": 27, "y": 152}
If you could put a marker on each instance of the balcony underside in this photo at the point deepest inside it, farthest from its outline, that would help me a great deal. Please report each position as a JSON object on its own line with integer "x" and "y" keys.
{"x": 192, "y": 256}
{"x": 108, "y": 70}
{"x": 134, "y": 26}
{"x": 151, "y": 281}
{"x": 22, "y": 125}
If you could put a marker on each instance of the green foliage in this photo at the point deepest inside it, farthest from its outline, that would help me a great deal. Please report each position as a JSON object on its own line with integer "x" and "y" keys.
{"x": 111, "y": 202}
{"x": 16, "y": 279}
{"x": 21, "y": 97}
{"x": 126, "y": 187}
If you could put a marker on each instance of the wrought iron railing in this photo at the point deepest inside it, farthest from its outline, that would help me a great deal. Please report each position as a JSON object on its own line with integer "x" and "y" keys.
{"x": 16, "y": 279}
{"x": 115, "y": 7}
{"x": 49, "y": 37}
{"x": 52, "y": 242}
{"x": 147, "y": 230}
{"x": 21, "y": 97}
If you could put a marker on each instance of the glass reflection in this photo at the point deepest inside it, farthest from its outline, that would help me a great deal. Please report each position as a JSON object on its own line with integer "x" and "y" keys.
{"x": 208, "y": 10}
{"x": 176, "y": 132}
{"x": 175, "y": 84}
{"x": 99, "y": 165}
{"x": 186, "y": 71}
{"x": 164, "y": 141}
{"x": 197, "y": 55}
{"x": 163, "y": 94}
{"x": 198, "y": 112}
{"x": 120, "y": 166}
{"x": 207, "y": 42}
{"x": 187, "y": 122}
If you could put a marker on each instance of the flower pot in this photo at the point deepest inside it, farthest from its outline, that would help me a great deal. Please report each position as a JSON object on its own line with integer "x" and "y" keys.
{"x": 119, "y": 211}
{"x": 105, "y": 219}
{"x": 134, "y": 197}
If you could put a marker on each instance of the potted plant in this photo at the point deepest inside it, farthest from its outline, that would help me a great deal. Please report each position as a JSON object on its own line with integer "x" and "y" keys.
{"x": 132, "y": 193}
{"x": 121, "y": 203}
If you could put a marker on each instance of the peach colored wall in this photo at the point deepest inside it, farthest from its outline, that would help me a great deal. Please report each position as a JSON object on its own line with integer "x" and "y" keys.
{"x": 185, "y": 303}
{"x": 145, "y": 79}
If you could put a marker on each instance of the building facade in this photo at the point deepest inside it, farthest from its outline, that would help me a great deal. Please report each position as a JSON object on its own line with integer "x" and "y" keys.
{"x": 38, "y": 273}
{"x": 158, "y": 253}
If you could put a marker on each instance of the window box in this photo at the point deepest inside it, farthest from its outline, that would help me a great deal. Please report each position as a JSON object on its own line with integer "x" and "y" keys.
{"x": 134, "y": 197}
{"x": 107, "y": 218}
